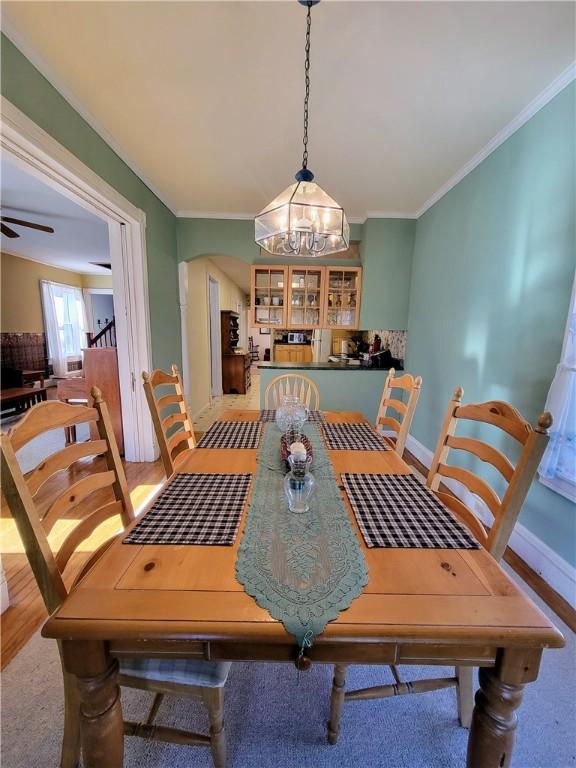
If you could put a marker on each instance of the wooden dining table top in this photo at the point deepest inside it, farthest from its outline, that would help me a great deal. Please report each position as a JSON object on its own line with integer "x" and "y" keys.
{"x": 416, "y": 599}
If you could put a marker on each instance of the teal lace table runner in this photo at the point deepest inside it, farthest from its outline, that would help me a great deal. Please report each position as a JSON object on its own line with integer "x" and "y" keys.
{"x": 304, "y": 569}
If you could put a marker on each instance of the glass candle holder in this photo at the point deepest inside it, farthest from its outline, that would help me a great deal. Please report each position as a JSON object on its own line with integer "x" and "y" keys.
{"x": 291, "y": 415}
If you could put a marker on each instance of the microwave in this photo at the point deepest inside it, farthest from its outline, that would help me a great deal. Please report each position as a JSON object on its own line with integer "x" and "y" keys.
{"x": 296, "y": 338}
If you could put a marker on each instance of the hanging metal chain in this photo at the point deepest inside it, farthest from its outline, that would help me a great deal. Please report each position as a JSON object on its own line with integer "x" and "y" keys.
{"x": 307, "y": 81}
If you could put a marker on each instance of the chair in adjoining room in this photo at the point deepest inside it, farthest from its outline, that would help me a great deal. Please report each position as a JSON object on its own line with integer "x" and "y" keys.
{"x": 253, "y": 349}
{"x": 504, "y": 512}
{"x": 411, "y": 386}
{"x": 169, "y": 412}
{"x": 294, "y": 385}
{"x": 88, "y": 489}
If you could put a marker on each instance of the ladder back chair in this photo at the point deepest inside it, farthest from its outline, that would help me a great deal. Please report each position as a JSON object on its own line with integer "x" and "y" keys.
{"x": 172, "y": 422}
{"x": 409, "y": 384}
{"x": 295, "y": 385}
{"x": 504, "y": 512}
{"x": 87, "y": 479}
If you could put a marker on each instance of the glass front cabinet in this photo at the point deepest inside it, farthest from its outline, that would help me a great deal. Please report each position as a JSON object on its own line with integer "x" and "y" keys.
{"x": 342, "y": 297}
{"x": 305, "y": 297}
{"x": 269, "y": 291}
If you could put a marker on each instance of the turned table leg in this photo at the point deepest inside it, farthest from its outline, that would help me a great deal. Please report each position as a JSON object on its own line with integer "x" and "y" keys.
{"x": 101, "y": 723}
{"x": 336, "y": 702}
{"x": 494, "y": 718}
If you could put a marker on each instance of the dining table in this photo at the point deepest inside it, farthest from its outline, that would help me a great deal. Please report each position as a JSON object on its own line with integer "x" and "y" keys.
{"x": 420, "y": 606}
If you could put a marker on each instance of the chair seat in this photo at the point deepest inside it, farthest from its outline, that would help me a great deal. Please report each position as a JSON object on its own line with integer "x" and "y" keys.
{"x": 205, "y": 674}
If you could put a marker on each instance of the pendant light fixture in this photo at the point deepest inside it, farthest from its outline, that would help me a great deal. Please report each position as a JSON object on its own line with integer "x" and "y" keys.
{"x": 303, "y": 220}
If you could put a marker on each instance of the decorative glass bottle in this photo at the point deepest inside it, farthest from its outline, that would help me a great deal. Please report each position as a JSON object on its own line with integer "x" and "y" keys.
{"x": 299, "y": 483}
{"x": 291, "y": 415}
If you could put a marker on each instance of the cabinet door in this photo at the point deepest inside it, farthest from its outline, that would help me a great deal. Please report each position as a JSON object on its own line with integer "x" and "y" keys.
{"x": 281, "y": 354}
{"x": 305, "y": 291}
{"x": 269, "y": 286}
{"x": 342, "y": 297}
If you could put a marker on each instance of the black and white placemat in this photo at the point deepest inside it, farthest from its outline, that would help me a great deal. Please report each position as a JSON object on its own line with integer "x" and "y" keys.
{"x": 232, "y": 434}
{"x": 398, "y": 511}
{"x": 194, "y": 509}
{"x": 352, "y": 437}
{"x": 313, "y": 416}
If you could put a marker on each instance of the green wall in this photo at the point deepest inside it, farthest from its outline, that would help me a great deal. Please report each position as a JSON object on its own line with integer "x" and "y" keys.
{"x": 28, "y": 90}
{"x": 235, "y": 237}
{"x": 386, "y": 253}
{"x": 491, "y": 278}
{"x": 386, "y": 250}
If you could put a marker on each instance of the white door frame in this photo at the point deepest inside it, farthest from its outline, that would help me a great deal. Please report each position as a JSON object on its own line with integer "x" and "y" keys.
{"x": 215, "y": 341}
{"x": 34, "y": 150}
{"x": 88, "y": 293}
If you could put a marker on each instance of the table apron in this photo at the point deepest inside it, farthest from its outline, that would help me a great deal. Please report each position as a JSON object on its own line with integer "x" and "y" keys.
{"x": 326, "y": 652}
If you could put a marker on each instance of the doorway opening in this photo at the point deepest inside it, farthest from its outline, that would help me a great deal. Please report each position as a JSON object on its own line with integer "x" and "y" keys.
{"x": 32, "y": 150}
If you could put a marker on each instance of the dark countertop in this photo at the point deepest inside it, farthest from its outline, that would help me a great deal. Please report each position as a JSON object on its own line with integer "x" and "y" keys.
{"x": 319, "y": 367}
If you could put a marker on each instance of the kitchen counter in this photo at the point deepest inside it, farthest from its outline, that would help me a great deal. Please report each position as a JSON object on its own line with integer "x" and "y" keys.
{"x": 321, "y": 366}
{"x": 337, "y": 392}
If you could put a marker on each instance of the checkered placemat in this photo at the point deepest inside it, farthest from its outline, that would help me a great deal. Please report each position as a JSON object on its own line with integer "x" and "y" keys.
{"x": 314, "y": 416}
{"x": 232, "y": 434}
{"x": 194, "y": 509}
{"x": 398, "y": 511}
{"x": 352, "y": 437}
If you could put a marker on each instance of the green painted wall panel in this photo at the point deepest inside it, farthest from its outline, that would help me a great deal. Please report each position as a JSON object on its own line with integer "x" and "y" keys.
{"x": 340, "y": 390}
{"x": 234, "y": 237}
{"x": 491, "y": 277}
{"x": 28, "y": 90}
{"x": 386, "y": 251}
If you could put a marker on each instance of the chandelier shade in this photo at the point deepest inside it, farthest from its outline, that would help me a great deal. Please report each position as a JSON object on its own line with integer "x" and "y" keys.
{"x": 303, "y": 220}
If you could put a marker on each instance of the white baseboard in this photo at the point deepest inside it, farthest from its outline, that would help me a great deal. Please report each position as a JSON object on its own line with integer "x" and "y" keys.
{"x": 555, "y": 571}
{"x": 200, "y": 411}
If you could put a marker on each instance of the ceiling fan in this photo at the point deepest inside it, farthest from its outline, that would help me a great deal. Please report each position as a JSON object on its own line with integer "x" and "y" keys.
{"x": 9, "y": 232}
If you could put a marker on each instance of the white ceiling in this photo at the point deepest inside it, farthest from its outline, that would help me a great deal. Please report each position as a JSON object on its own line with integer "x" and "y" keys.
{"x": 79, "y": 237}
{"x": 204, "y": 99}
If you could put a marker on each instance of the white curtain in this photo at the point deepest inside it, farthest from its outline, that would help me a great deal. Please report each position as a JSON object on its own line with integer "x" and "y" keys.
{"x": 558, "y": 465}
{"x": 65, "y": 322}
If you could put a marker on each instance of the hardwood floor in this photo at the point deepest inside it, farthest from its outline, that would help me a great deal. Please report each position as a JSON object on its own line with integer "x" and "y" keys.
{"x": 27, "y": 612}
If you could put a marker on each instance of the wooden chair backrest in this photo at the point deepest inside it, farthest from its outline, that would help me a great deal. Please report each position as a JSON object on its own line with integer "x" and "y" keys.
{"x": 34, "y": 521}
{"x": 409, "y": 384}
{"x": 172, "y": 422}
{"x": 518, "y": 478}
{"x": 295, "y": 385}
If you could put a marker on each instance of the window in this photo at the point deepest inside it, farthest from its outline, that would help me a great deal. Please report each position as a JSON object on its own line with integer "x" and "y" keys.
{"x": 65, "y": 322}
{"x": 558, "y": 465}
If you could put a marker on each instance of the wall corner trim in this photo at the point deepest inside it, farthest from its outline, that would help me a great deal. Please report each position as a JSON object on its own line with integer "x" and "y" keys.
{"x": 558, "y": 573}
{"x": 557, "y": 85}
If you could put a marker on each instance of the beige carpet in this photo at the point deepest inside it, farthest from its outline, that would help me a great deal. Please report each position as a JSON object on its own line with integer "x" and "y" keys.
{"x": 274, "y": 720}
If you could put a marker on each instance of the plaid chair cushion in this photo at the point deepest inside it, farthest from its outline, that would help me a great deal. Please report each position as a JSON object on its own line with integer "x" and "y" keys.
{"x": 206, "y": 674}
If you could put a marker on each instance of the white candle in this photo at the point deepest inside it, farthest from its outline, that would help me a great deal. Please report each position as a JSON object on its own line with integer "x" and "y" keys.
{"x": 298, "y": 450}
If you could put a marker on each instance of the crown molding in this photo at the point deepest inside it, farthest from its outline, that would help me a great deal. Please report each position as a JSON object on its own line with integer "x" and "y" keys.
{"x": 46, "y": 71}
{"x": 6, "y": 252}
{"x": 214, "y": 215}
{"x": 557, "y": 85}
{"x": 389, "y": 215}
